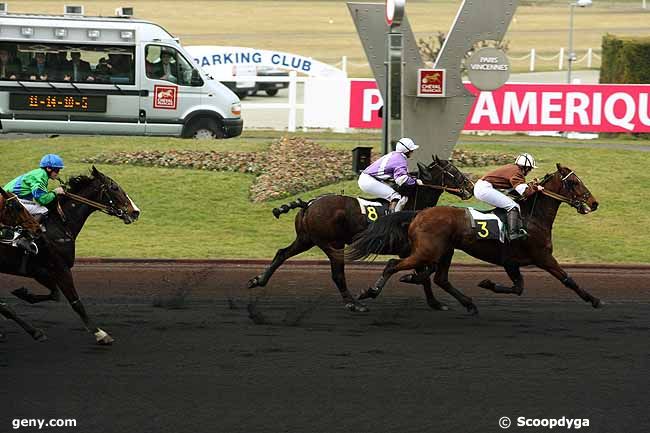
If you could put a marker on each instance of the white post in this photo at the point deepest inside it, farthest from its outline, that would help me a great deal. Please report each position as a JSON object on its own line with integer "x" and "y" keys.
{"x": 643, "y": 4}
{"x": 561, "y": 62}
{"x": 344, "y": 65}
{"x": 590, "y": 53}
{"x": 532, "y": 60}
{"x": 292, "y": 101}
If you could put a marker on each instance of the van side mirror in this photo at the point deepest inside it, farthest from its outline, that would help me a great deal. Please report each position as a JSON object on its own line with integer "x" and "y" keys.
{"x": 196, "y": 80}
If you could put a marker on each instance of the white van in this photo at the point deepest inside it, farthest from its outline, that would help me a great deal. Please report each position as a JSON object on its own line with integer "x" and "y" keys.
{"x": 94, "y": 75}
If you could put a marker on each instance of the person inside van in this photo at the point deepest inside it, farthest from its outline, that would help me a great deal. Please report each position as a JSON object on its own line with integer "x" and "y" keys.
{"x": 39, "y": 69}
{"x": 10, "y": 68}
{"x": 166, "y": 69}
{"x": 77, "y": 69}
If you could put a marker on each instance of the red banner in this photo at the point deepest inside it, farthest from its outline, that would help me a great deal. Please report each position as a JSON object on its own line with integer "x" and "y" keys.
{"x": 537, "y": 107}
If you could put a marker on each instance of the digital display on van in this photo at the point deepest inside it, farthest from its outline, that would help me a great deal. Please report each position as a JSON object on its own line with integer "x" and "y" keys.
{"x": 57, "y": 102}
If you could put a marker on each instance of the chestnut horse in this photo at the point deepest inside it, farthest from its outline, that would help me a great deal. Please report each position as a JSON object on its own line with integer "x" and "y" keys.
{"x": 434, "y": 234}
{"x": 13, "y": 215}
{"x": 331, "y": 221}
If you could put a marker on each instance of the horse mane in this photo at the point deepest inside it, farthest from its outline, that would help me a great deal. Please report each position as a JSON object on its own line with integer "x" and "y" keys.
{"x": 78, "y": 182}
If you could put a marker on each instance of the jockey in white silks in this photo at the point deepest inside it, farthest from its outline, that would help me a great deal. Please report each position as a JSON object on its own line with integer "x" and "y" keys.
{"x": 392, "y": 166}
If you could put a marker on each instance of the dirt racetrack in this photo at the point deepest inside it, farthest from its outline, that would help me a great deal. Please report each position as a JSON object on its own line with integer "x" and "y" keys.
{"x": 187, "y": 357}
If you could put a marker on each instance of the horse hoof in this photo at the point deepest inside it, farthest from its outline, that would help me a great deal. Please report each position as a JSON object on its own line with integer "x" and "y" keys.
{"x": 39, "y": 335}
{"x": 597, "y": 303}
{"x": 253, "y": 282}
{"x": 3, "y": 337}
{"x": 371, "y": 293}
{"x": 21, "y": 293}
{"x": 471, "y": 308}
{"x": 410, "y": 279}
{"x": 487, "y": 284}
{"x": 441, "y": 307}
{"x": 356, "y": 307}
{"x": 106, "y": 341}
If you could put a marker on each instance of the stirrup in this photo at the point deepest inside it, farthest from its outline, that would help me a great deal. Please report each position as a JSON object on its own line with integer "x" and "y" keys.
{"x": 520, "y": 234}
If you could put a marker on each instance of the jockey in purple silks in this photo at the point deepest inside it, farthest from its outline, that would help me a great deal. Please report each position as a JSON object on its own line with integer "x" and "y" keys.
{"x": 392, "y": 166}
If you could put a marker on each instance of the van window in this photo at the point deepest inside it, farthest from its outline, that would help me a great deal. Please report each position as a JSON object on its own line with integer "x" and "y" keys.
{"x": 67, "y": 63}
{"x": 167, "y": 64}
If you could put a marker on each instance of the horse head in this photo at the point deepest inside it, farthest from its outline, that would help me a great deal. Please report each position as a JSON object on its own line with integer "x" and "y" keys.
{"x": 12, "y": 213}
{"x": 570, "y": 189}
{"x": 106, "y": 193}
{"x": 446, "y": 175}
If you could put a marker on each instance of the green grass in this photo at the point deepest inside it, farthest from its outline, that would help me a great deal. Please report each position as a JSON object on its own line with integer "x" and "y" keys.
{"x": 324, "y": 29}
{"x": 198, "y": 214}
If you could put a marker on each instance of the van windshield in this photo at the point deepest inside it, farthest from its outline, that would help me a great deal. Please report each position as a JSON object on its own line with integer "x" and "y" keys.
{"x": 103, "y": 64}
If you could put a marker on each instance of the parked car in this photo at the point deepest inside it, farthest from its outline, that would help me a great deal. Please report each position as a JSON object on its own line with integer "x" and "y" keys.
{"x": 270, "y": 87}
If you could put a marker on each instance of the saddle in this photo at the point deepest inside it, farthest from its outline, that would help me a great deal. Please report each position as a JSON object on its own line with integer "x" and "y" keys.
{"x": 488, "y": 224}
{"x": 373, "y": 209}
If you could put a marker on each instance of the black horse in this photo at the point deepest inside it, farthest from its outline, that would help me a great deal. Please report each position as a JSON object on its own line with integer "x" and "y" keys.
{"x": 67, "y": 216}
{"x": 330, "y": 222}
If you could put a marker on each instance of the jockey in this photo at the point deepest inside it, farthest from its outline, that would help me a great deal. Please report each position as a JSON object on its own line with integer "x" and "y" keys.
{"x": 31, "y": 187}
{"x": 393, "y": 165}
{"x": 507, "y": 177}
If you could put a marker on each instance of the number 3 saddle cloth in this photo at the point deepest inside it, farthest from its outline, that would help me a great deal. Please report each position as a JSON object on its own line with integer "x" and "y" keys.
{"x": 488, "y": 224}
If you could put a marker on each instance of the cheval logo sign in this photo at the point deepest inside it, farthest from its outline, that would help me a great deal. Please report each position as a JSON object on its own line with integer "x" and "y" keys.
{"x": 165, "y": 97}
{"x": 431, "y": 82}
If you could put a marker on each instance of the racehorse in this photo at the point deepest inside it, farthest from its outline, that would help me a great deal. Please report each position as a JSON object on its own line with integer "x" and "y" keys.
{"x": 434, "y": 234}
{"x": 331, "y": 221}
{"x": 14, "y": 215}
{"x": 67, "y": 216}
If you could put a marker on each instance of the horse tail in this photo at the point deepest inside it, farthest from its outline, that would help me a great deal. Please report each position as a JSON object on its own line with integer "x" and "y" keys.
{"x": 286, "y": 208}
{"x": 389, "y": 235}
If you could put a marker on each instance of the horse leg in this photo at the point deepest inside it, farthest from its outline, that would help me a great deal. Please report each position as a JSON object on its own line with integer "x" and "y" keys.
{"x": 516, "y": 277}
{"x": 64, "y": 281}
{"x": 337, "y": 265}
{"x": 551, "y": 266}
{"x": 299, "y": 245}
{"x": 419, "y": 276}
{"x": 393, "y": 266}
{"x": 42, "y": 275}
{"x": 425, "y": 280}
{"x": 442, "y": 279}
{"x": 37, "y": 334}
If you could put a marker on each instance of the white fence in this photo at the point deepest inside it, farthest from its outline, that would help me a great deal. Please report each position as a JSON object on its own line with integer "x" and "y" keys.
{"x": 561, "y": 58}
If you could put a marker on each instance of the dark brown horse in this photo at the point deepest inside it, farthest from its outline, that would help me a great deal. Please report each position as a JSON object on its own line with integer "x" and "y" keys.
{"x": 434, "y": 234}
{"x": 67, "y": 216}
{"x": 14, "y": 216}
{"x": 330, "y": 222}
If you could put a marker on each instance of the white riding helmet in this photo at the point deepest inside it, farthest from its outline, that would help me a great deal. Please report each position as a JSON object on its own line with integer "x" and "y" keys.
{"x": 406, "y": 145}
{"x": 525, "y": 160}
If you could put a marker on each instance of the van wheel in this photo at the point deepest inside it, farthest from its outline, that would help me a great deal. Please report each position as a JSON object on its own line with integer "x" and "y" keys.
{"x": 205, "y": 129}
{"x": 272, "y": 92}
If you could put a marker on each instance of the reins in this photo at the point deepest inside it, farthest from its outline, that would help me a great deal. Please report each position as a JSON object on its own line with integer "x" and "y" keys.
{"x": 109, "y": 210}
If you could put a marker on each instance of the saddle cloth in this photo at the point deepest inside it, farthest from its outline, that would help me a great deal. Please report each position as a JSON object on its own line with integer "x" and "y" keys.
{"x": 487, "y": 225}
{"x": 373, "y": 209}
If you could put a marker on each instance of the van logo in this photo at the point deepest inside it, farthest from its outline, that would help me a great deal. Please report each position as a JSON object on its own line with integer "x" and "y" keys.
{"x": 165, "y": 97}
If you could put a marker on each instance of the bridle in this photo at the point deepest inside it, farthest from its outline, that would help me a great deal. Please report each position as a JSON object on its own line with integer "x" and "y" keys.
{"x": 444, "y": 173}
{"x": 577, "y": 202}
{"x": 109, "y": 209}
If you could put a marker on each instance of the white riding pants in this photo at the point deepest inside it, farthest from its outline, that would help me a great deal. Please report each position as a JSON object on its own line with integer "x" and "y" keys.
{"x": 370, "y": 185}
{"x": 484, "y": 191}
{"x": 33, "y": 207}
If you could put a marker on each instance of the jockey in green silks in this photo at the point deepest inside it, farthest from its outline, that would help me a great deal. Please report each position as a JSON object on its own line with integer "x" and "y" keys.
{"x": 32, "y": 187}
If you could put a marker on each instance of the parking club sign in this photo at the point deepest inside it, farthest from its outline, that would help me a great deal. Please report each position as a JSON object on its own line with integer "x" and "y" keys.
{"x": 431, "y": 83}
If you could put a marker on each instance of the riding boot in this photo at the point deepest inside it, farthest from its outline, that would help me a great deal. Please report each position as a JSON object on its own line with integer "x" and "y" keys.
{"x": 516, "y": 228}
{"x": 401, "y": 203}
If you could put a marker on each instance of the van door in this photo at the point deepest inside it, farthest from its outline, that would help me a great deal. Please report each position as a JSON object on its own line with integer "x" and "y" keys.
{"x": 170, "y": 89}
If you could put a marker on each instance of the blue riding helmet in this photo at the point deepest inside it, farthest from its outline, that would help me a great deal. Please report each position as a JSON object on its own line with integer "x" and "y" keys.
{"x": 51, "y": 160}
